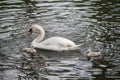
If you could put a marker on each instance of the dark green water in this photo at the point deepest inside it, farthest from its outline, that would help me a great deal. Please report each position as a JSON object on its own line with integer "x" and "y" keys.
{"x": 93, "y": 22}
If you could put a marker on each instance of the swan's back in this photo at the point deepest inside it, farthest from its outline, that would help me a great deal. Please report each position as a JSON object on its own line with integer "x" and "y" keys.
{"x": 60, "y": 41}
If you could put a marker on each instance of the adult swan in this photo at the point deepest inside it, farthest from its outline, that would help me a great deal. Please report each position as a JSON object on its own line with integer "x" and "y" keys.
{"x": 53, "y": 43}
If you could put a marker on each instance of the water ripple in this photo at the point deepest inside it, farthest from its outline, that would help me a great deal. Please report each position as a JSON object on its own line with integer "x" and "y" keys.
{"x": 93, "y": 22}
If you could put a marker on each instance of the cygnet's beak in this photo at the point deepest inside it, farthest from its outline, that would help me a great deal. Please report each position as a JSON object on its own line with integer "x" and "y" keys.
{"x": 30, "y": 31}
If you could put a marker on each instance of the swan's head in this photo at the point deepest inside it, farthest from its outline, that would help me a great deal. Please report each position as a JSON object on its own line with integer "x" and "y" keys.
{"x": 34, "y": 27}
{"x": 30, "y": 31}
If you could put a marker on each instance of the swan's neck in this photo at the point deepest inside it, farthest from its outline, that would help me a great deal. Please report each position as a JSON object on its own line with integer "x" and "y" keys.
{"x": 40, "y": 36}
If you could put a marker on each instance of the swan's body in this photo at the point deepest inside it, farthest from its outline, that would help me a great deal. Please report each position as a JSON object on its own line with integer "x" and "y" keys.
{"x": 56, "y": 44}
{"x": 53, "y": 43}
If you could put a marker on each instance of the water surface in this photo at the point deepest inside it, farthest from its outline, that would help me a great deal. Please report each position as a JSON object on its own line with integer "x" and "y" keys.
{"x": 92, "y": 22}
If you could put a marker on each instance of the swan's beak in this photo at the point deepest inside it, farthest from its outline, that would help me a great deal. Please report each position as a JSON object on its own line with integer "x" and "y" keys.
{"x": 30, "y": 31}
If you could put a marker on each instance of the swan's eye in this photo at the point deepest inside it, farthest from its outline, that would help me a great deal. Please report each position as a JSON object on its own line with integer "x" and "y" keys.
{"x": 30, "y": 31}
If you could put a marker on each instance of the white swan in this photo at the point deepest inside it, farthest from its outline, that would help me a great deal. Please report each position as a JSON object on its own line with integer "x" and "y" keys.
{"x": 53, "y": 43}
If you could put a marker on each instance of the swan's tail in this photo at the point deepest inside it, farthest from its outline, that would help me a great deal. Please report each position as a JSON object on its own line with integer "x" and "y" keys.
{"x": 76, "y": 47}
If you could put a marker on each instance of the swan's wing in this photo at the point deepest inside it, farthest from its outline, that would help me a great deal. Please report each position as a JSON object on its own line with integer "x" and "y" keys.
{"x": 59, "y": 41}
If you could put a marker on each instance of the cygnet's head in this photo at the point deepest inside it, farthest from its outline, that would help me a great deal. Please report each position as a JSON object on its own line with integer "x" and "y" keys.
{"x": 88, "y": 51}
